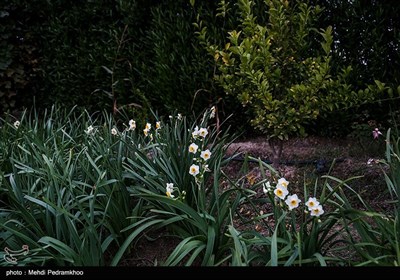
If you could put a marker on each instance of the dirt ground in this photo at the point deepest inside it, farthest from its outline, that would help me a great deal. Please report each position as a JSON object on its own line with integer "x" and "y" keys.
{"x": 303, "y": 161}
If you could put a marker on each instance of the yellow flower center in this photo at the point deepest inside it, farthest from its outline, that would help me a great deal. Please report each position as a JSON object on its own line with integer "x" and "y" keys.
{"x": 279, "y": 192}
{"x": 293, "y": 202}
{"x": 311, "y": 204}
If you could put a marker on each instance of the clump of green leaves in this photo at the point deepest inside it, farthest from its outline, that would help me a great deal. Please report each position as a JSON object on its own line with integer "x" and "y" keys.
{"x": 179, "y": 180}
{"x": 61, "y": 186}
{"x": 275, "y": 72}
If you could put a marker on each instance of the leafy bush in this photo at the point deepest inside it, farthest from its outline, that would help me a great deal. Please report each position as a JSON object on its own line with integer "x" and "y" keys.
{"x": 271, "y": 70}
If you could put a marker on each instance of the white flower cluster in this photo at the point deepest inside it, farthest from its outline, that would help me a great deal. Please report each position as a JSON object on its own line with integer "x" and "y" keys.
{"x": 132, "y": 125}
{"x": 170, "y": 189}
{"x": 292, "y": 201}
{"x": 114, "y": 131}
{"x": 198, "y": 168}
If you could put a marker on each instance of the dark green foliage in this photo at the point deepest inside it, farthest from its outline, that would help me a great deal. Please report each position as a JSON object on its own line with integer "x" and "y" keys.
{"x": 367, "y": 37}
{"x": 18, "y": 55}
{"x": 137, "y": 53}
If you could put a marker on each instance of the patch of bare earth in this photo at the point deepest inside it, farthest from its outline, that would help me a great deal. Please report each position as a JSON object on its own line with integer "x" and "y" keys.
{"x": 304, "y": 160}
{"x": 151, "y": 249}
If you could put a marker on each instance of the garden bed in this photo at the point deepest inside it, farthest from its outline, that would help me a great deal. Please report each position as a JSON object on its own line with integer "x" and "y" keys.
{"x": 343, "y": 158}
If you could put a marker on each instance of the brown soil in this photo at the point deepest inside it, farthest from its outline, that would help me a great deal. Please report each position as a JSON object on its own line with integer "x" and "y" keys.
{"x": 302, "y": 160}
{"x": 299, "y": 166}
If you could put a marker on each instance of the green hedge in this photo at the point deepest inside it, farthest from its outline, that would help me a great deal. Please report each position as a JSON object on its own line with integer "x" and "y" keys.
{"x": 64, "y": 51}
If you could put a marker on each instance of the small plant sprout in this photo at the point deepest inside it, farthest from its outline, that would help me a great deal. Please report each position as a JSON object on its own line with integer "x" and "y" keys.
{"x": 317, "y": 211}
{"x": 203, "y": 132}
{"x": 132, "y": 125}
{"x": 205, "y": 154}
{"x": 376, "y": 133}
{"x": 158, "y": 125}
{"x": 311, "y": 203}
{"x": 16, "y": 124}
{"x": 292, "y": 201}
{"x": 282, "y": 182}
{"x": 193, "y": 148}
{"x": 114, "y": 131}
{"x": 267, "y": 187}
{"x": 170, "y": 190}
{"x": 89, "y": 130}
{"x": 281, "y": 192}
{"x": 194, "y": 170}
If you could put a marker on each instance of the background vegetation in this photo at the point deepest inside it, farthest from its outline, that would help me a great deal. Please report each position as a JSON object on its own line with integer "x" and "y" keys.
{"x": 114, "y": 123}
{"x": 140, "y": 54}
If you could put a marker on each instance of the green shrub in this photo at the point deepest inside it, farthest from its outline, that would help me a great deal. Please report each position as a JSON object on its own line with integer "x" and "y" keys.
{"x": 272, "y": 70}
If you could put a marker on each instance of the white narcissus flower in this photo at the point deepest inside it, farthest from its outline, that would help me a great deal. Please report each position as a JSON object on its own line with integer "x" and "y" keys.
{"x": 283, "y": 182}
{"x": 203, "y": 132}
{"x": 195, "y": 133}
{"x": 158, "y": 125}
{"x": 114, "y": 131}
{"x": 193, "y": 148}
{"x": 16, "y": 124}
{"x": 194, "y": 170}
{"x": 89, "y": 130}
{"x": 148, "y": 126}
{"x": 311, "y": 203}
{"x": 170, "y": 190}
{"x": 179, "y": 116}
{"x": 132, "y": 125}
{"x": 317, "y": 211}
{"x": 145, "y": 132}
{"x": 292, "y": 201}
{"x": 266, "y": 187}
{"x": 212, "y": 113}
{"x": 281, "y": 192}
{"x": 205, "y": 154}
